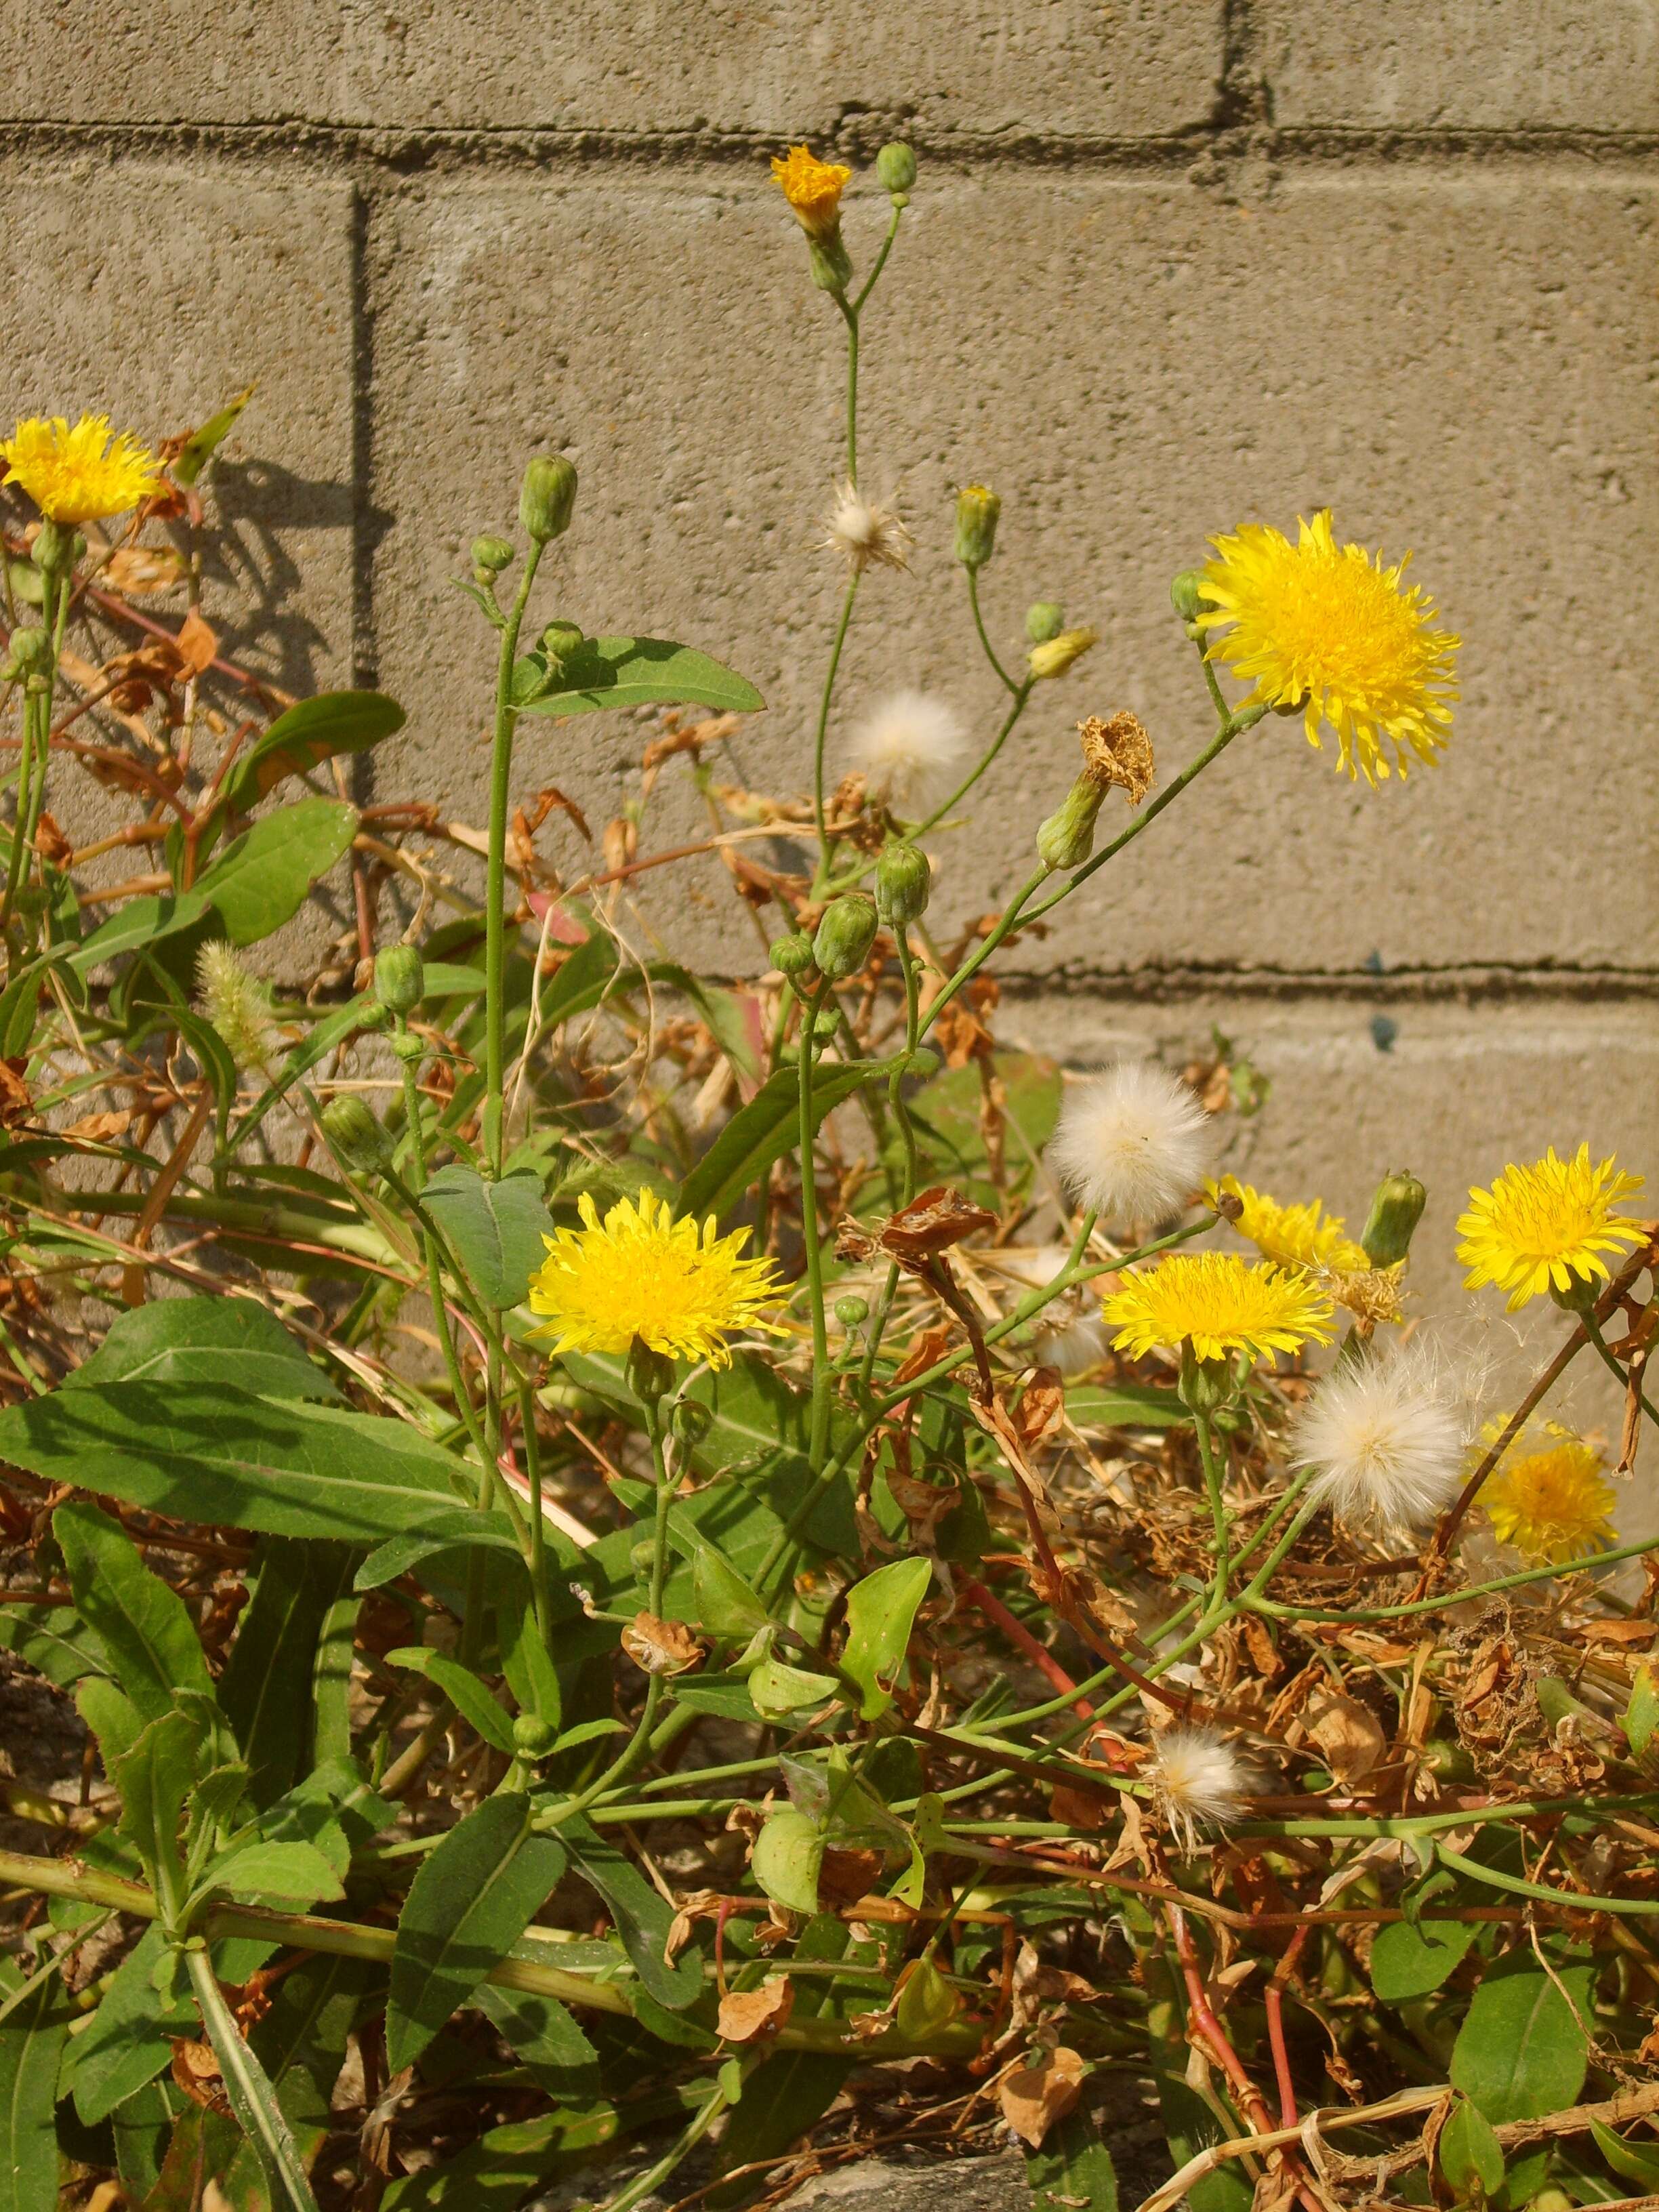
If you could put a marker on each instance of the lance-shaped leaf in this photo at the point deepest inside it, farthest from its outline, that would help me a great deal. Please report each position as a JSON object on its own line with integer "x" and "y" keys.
{"x": 881, "y": 1611}
{"x": 313, "y": 731}
{"x": 31, "y": 2038}
{"x": 470, "y": 1697}
{"x": 149, "y": 1639}
{"x": 764, "y": 1129}
{"x": 642, "y": 671}
{"x": 643, "y": 1920}
{"x": 217, "y": 1339}
{"x": 261, "y": 881}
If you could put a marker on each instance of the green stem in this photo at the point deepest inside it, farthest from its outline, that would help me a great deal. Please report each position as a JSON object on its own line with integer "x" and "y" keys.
{"x": 1008, "y": 682}
{"x": 818, "y": 813}
{"x": 819, "y": 1433}
{"x": 247, "y": 2086}
{"x": 850, "y": 316}
{"x": 1214, "y": 1487}
{"x": 643, "y": 2184}
{"x": 501, "y": 777}
{"x": 880, "y": 262}
{"x": 1022, "y": 693}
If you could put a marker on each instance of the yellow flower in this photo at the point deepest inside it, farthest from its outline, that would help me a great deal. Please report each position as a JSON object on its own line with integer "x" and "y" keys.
{"x": 813, "y": 188}
{"x": 68, "y": 474}
{"x": 1328, "y": 629}
{"x": 1223, "y": 1302}
{"x": 1538, "y": 1228}
{"x": 1292, "y": 1235}
{"x": 639, "y": 1272}
{"x": 1551, "y": 1504}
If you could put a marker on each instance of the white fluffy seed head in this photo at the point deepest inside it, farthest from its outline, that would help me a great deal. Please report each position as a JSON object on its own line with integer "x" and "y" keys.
{"x": 908, "y": 747}
{"x": 867, "y": 533}
{"x": 1387, "y": 1435}
{"x": 237, "y": 1005}
{"x": 1198, "y": 1781}
{"x": 1068, "y": 1334}
{"x": 1132, "y": 1144}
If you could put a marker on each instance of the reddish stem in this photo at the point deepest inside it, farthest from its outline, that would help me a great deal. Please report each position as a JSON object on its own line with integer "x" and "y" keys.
{"x": 1016, "y": 1632}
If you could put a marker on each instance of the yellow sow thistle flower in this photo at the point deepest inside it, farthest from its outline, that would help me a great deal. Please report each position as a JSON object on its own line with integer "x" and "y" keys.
{"x": 1224, "y": 1303}
{"x": 1291, "y": 1236}
{"x": 1545, "y": 1227}
{"x": 1328, "y": 629}
{"x": 1552, "y": 1504}
{"x": 680, "y": 1288}
{"x": 813, "y": 188}
{"x": 78, "y": 475}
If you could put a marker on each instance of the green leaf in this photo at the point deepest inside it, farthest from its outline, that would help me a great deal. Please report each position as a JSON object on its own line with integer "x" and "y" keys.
{"x": 113, "y": 1718}
{"x": 1409, "y": 1962}
{"x": 217, "y": 1339}
{"x": 148, "y": 1639}
{"x": 137, "y": 924}
{"x": 156, "y": 1779}
{"x": 725, "y": 1604}
{"x": 1522, "y": 2051}
{"x": 201, "y": 445}
{"x": 289, "y": 1873}
{"x": 765, "y": 1129}
{"x": 1637, "y": 2162}
{"x": 1641, "y": 1716}
{"x": 470, "y": 1697}
{"x": 526, "y": 1660}
{"x": 1073, "y": 2171}
{"x": 224, "y": 1456}
{"x": 261, "y": 881}
{"x": 295, "y": 1586}
{"x": 644, "y": 671}
{"x": 454, "y": 1530}
{"x": 792, "y": 2090}
{"x": 32, "y": 2039}
{"x": 497, "y": 1230}
{"x": 323, "y": 1035}
{"x": 128, "y": 2043}
{"x": 499, "y": 2172}
{"x": 248, "y": 2088}
{"x": 301, "y": 2045}
{"x": 788, "y": 1853}
{"x": 54, "y": 1640}
{"x": 642, "y": 1918}
{"x": 1469, "y": 2153}
{"x": 1125, "y": 1406}
{"x": 775, "y": 1689}
{"x": 544, "y": 2034}
{"x": 471, "y": 1900}
{"x": 881, "y": 1611}
{"x": 313, "y": 731}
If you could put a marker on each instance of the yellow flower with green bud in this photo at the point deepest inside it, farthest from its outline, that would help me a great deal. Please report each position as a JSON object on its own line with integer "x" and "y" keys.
{"x": 78, "y": 473}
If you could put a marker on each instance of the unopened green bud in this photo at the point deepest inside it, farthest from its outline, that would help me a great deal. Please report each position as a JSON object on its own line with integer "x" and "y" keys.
{"x": 852, "y": 1311}
{"x": 921, "y": 1063}
{"x": 1067, "y": 838}
{"x": 533, "y": 1736}
{"x": 825, "y": 1023}
{"x": 30, "y": 653}
{"x": 690, "y": 1422}
{"x": 1185, "y": 594}
{"x": 791, "y": 956}
{"x": 490, "y": 554}
{"x": 904, "y": 881}
{"x": 977, "y": 509}
{"x": 896, "y": 168}
{"x": 359, "y": 1140}
{"x": 1055, "y": 654}
{"x": 57, "y": 546}
{"x": 831, "y": 265}
{"x": 1551, "y": 2199}
{"x": 845, "y": 934}
{"x": 405, "y": 1046}
{"x": 548, "y": 494}
{"x": 650, "y": 1374}
{"x": 399, "y": 978}
{"x": 559, "y": 640}
{"x": 1577, "y": 1296}
{"x": 1396, "y": 1209}
{"x": 1205, "y": 1384}
{"x": 1044, "y": 620}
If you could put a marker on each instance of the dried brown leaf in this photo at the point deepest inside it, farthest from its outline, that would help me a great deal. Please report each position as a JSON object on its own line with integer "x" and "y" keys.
{"x": 747, "y": 2014}
{"x": 1033, "y": 2098}
{"x": 660, "y": 1647}
{"x": 1349, "y": 1734}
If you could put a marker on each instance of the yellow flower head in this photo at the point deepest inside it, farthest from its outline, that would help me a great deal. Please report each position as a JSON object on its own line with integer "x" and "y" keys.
{"x": 1328, "y": 628}
{"x": 639, "y": 1272}
{"x": 813, "y": 188}
{"x": 1552, "y": 1505}
{"x": 1224, "y": 1303}
{"x": 1539, "y": 1228}
{"x": 71, "y": 476}
{"x": 1292, "y": 1235}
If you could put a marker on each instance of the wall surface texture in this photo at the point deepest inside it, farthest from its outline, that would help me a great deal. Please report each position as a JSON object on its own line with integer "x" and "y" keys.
{"x": 1171, "y": 263}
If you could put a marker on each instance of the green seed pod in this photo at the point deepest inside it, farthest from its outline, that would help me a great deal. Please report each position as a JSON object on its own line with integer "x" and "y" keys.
{"x": 1044, "y": 619}
{"x": 30, "y": 653}
{"x": 548, "y": 494}
{"x": 1067, "y": 838}
{"x": 490, "y": 554}
{"x": 361, "y": 1142}
{"x": 852, "y": 1311}
{"x": 903, "y": 882}
{"x": 896, "y": 168}
{"x": 791, "y": 956}
{"x": 845, "y": 935}
{"x": 533, "y": 1736}
{"x": 1056, "y": 654}
{"x": 977, "y": 509}
{"x": 399, "y": 978}
{"x": 1396, "y": 1209}
{"x": 1184, "y": 594}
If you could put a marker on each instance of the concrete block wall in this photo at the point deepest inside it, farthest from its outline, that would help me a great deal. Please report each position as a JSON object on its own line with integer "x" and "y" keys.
{"x": 1171, "y": 263}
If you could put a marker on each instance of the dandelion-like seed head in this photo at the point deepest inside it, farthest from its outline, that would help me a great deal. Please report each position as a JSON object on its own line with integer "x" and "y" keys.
{"x": 1067, "y": 1334}
{"x": 813, "y": 188}
{"x": 910, "y": 747}
{"x": 1330, "y": 628}
{"x": 1386, "y": 1437}
{"x": 1551, "y": 1503}
{"x": 679, "y": 1287}
{"x": 1199, "y": 1782}
{"x": 81, "y": 473}
{"x": 1223, "y": 1304}
{"x": 1292, "y": 1235}
{"x": 1545, "y": 1227}
{"x": 1132, "y": 1144}
{"x": 237, "y": 1005}
{"x": 865, "y": 533}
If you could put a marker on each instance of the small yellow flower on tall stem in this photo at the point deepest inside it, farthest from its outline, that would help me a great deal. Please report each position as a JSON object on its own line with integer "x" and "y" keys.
{"x": 679, "y": 1288}
{"x": 1545, "y": 1227}
{"x": 1328, "y": 629}
{"x": 1222, "y": 1303}
{"x": 80, "y": 474}
{"x": 813, "y": 188}
{"x": 1291, "y": 1236}
{"x": 1552, "y": 1505}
